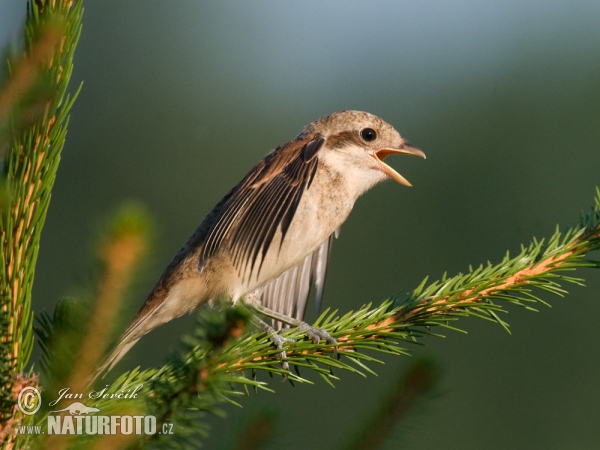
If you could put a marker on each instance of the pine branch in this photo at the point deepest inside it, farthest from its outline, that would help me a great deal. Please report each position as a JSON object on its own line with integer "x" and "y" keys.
{"x": 75, "y": 338}
{"x": 217, "y": 361}
{"x": 34, "y": 110}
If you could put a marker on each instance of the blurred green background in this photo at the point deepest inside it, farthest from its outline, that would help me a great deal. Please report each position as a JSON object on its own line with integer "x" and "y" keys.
{"x": 181, "y": 99}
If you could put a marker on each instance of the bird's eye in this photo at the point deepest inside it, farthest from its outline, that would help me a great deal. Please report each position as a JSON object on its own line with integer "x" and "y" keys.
{"x": 368, "y": 134}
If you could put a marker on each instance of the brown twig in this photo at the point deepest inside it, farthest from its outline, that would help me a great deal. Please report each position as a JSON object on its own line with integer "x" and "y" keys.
{"x": 120, "y": 257}
{"x": 418, "y": 379}
{"x": 256, "y": 433}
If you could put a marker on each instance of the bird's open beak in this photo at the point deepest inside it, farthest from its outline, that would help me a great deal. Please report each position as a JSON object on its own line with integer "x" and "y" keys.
{"x": 406, "y": 149}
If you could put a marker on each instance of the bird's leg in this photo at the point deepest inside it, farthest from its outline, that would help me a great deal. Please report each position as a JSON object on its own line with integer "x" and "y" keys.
{"x": 315, "y": 334}
{"x": 276, "y": 338}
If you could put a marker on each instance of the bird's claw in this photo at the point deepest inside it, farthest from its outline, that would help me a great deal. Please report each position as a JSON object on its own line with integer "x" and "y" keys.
{"x": 278, "y": 341}
{"x": 316, "y": 334}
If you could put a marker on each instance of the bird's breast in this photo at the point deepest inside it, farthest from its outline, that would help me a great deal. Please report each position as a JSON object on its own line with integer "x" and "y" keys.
{"x": 323, "y": 208}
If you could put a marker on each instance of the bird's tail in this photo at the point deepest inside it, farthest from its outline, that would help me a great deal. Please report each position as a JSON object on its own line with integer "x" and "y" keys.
{"x": 144, "y": 322}
{"x": 125, "y": 343}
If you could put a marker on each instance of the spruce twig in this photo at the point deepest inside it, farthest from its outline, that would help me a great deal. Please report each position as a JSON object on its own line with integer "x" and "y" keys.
{"x": 207, "y": 373}
{"x": 34, "y": 111}
{"x": 120, "y": 253}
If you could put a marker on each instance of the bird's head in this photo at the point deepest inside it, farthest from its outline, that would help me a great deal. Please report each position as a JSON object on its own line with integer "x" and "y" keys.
{"x": 356, "y": 144}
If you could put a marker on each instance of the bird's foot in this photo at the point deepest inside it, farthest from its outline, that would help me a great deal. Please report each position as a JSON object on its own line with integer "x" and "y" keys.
{"x": 316, "y": 334}
{"x": 278, "y": 340}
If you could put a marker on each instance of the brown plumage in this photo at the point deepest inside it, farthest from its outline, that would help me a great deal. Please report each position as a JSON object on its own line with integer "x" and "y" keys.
{"x": 269, "y": 238}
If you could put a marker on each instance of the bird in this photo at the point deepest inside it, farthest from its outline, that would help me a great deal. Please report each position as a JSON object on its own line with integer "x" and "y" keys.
{"x": 268, "y": 241}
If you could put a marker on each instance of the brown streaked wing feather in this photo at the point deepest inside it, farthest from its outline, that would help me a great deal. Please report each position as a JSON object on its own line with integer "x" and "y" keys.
{"x": 265, "y": 201}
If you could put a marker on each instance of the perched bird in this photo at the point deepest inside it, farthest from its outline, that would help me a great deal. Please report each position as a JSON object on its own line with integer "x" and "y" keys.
{"x": 269, "y": 239}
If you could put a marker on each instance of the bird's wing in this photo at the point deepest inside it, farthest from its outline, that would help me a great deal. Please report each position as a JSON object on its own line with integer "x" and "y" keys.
{"x": 288, "y": 294}
{"x": 264, "y": 201}
{"x": 320, "y": 262}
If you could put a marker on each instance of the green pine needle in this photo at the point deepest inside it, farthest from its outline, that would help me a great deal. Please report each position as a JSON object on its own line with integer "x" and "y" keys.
{"x": 196, "y": 381}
